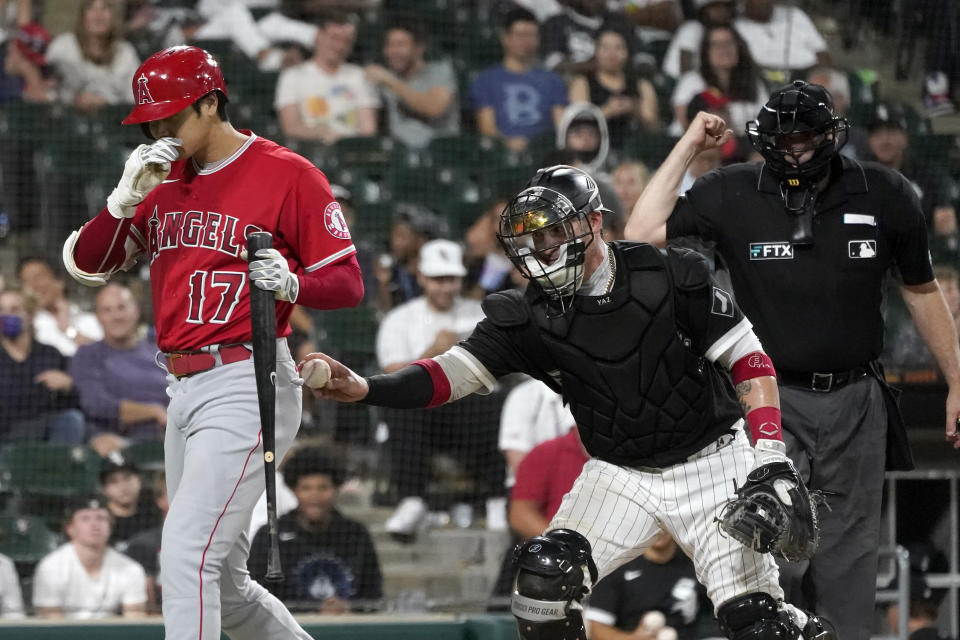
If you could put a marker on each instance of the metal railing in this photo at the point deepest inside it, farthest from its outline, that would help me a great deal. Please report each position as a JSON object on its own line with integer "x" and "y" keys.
{"x": 949, "y": 580}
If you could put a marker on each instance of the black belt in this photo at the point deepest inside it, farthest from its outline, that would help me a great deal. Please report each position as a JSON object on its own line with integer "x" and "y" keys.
{"x": 821, "y": 381}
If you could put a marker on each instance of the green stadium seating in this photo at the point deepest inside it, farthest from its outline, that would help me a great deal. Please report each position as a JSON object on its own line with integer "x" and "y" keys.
{"x": 367, "y": 185}
{"x": 363, "y": 151}
{"x": 650, "y": 148}
{"x": 26, "y": 539}
{"x": 351, "y": 334}
{"x": 48, "y": 469}
{"x": 148, "y": 455}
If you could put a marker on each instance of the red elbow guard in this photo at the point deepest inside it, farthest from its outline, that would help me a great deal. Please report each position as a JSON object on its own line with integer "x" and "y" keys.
{"x": 441, "y": 385}
{"x": 752, "y": 365}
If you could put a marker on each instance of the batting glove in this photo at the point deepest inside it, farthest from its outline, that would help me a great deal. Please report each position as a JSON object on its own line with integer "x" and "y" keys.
{"x": 771, "y": 451}
{"x": 147, "y": 166}
{"x": 272, "y": 273}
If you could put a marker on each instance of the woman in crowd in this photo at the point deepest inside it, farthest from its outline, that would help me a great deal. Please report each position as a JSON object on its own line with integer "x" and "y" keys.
{"x": 627, "y": 102}
{"x": 728, "y": 80}
{"x": 94, "y": 62}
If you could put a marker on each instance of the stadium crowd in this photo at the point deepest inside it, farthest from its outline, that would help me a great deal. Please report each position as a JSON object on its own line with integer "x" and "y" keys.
{"x": 425, "y": 123}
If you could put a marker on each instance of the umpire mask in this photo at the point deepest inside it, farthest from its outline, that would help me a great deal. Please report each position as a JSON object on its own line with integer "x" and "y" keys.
{"x": 546, "y": 238}
{"x": 798, "y": 135}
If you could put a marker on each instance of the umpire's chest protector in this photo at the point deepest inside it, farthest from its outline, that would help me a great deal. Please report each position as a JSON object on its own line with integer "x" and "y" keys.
{"x": 641, "y": 394}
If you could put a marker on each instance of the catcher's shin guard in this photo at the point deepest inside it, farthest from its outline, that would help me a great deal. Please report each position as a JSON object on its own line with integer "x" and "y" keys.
{"x": 757, "y": 616}
{"x": 553, "y": 573}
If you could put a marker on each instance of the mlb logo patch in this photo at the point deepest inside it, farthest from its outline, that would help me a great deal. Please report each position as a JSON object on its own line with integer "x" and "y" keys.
{"x": 722, "y": 303}
{"x": 862, "y": 249}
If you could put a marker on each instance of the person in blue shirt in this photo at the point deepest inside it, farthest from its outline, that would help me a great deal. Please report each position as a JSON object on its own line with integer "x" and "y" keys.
{"x": 516, "y": 101}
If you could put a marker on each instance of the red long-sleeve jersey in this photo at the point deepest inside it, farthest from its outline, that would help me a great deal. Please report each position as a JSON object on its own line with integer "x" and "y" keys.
{"x": 193, "y": 226}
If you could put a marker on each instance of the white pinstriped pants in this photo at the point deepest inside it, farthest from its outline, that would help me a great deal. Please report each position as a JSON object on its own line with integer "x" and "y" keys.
{"x": 621, "y": 511}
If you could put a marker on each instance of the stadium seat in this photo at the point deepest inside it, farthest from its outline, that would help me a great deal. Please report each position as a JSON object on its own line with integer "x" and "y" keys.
{"x": 26, "y": 539}
{"x": 149, "y": 455}
{"x": 373, "y": 223}
{"x": 650, "y": 148}
{"x": 363, "y": 151}
{"x": 368, "y": 185}
{"x": 48, "y": 469}
{"x": 352, "y": 335}
{"x": 464, "y": 150}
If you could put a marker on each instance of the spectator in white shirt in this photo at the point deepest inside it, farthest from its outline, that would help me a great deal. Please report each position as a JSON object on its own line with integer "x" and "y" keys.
{"x": 11, "y": 600}
{"x": 94, "y": 62}
{"x": 532, "y": 413}
{"x": 57, "y": 321}
{"x": 422, "y": 328}
{"x": 85, "y": 578}
{"x": 432, "y": 323}
{"x": 783, "y": 40}
{"x": 325, "y": 98}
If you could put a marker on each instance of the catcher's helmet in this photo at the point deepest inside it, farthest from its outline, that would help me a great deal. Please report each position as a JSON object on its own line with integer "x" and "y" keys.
{"x": 538, "y": 230}
{"x": 171, "y": 80}
{"x": 804, "y": 111}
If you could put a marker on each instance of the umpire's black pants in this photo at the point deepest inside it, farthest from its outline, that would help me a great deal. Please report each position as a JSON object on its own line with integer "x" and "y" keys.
{"x": 837, "y": 440}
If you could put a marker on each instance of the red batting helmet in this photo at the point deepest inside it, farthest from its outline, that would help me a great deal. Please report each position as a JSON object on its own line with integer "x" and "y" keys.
{"x": 171, "y": 80}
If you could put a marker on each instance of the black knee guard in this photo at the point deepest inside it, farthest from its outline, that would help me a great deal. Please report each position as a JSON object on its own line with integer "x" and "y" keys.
{"x": 552, "y": 575}
{"x": 757, "y": 616}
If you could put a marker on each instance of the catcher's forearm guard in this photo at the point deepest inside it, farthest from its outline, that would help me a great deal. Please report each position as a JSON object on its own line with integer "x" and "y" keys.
{"x": 761, "y": 519}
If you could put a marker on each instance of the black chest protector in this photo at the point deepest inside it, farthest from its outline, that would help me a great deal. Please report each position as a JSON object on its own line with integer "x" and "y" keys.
{"x": 641, "y": 394}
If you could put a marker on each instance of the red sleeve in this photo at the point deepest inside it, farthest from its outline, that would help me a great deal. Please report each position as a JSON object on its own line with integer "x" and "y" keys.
{"x": 533, "y": 477}
{"x": 100, "y": 247}
{"x": 335, "y": 286}
{"x": 312, "y": 224}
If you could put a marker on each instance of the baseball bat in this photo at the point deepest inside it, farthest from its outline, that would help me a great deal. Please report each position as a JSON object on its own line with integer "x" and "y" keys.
{"x": 263, "y": 321}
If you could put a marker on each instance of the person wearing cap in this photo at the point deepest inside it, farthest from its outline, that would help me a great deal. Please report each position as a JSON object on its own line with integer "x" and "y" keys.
{"x": 84, "y": 578}
{"x": 422, "y": 328}
{"x": 24, "y": 73}
{"x": 809, "y": 238}
{"x": 396, "y": 271}
{"x": 889, "y": 140}
{"x": 132, "y": 509}
{"x": 925, "y": 601}
{"x": 187, "y": 205}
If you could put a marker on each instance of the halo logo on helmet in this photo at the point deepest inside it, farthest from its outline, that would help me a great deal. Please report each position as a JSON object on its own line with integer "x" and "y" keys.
{"x": 798, "y": 136}
{"x": 171, "y": 80}
{"x": 540, "y": 232}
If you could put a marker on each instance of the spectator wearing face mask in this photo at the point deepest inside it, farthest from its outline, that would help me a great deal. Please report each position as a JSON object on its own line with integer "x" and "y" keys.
{"x": 37, "y": 399}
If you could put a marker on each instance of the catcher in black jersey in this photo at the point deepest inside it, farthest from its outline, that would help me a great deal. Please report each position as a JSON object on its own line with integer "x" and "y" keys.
{"x": 643, "y": 345}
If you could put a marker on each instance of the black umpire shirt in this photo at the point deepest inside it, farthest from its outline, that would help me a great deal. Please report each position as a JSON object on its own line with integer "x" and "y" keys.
{"x": 819, "y": 307}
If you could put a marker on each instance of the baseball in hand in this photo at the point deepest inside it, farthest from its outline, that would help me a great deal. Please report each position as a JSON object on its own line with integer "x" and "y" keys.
{"x": 315, "y": 373}
{"x": 653, "y": 621}
{"x": 667, "y": 633}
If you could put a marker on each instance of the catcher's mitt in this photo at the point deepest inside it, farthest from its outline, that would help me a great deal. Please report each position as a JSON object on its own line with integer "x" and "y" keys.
{"x": 774, "y": 513}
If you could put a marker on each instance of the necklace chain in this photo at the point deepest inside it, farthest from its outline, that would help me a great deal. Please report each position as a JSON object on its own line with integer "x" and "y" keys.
{"x": 613, "y": 270}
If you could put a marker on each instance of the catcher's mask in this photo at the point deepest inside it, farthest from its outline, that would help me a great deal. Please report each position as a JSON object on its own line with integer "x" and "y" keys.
{"x": 545, "y": 231}
{"x": 798, "y": 135}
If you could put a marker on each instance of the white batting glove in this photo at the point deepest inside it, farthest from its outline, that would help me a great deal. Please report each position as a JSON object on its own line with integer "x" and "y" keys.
{"x": 272, "y": 273}
{"x": 147, "y": 166}
{"x": 768, "y": 451}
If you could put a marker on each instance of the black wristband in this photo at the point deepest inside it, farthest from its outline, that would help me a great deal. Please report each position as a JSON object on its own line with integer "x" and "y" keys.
{"x": 408, "y": 388}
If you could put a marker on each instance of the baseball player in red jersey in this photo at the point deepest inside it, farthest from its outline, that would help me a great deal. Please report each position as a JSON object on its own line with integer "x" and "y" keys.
{"x": 185, "y": 203}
